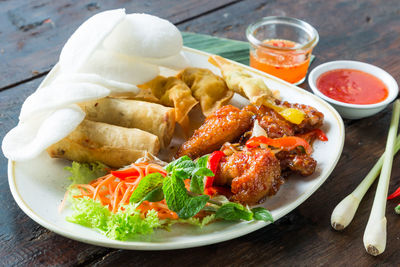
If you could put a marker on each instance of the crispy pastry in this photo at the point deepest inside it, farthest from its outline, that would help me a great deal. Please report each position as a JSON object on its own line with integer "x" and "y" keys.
{"x": 254, "y": 89}
{"x": 172, "y": 92}
{"x": 241, "y": 82}
{"x": 149, "y": 117}
{"x": 113, "y": 145}
{"x": 209, "y": 89}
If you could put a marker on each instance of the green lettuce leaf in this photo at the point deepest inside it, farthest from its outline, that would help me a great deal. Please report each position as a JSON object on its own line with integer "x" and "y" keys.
{"x": 122, "y": 225}
{"x": 197, "y": 221}
{"x": 89, "y": 213}
{"x": 128, "y": 224}
{"x": 83, "y": 173}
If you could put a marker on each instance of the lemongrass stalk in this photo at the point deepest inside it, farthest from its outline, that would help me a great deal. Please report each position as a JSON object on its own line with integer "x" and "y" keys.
{"x": 344, "y": 212}
{"x": 375, "y": 232}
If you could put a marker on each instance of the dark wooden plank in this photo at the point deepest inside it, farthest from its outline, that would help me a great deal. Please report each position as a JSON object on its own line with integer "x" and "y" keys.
{"x": 366, "y": 31}
{"x": 304, "y": 237}
{"x": 353, "y": 30}
{"x": 31, "y": 239}
{"x": 32, "y": 33}
{"x": 22, "y": 241}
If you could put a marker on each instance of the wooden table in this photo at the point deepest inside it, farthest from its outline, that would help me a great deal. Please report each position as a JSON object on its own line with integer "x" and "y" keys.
{"x": 31, "y": 36}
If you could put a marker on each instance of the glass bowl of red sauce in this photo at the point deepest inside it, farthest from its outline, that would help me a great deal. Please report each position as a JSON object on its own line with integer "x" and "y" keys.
{"x": 282, "y": 46}
{"x": 355, "y": 89}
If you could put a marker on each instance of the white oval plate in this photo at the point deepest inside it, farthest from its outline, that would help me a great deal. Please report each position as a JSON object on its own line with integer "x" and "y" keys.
{"x": 38, "y": 186}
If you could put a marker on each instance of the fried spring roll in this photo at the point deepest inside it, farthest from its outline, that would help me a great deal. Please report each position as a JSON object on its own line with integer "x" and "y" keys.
{"x": 149, "y": 117}
{"x": 113, "y": 145}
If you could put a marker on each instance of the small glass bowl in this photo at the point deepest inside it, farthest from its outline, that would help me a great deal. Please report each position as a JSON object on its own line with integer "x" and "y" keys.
{"x": 282, "y": 46}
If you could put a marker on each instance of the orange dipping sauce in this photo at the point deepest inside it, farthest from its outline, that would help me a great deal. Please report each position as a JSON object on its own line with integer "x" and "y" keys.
{"x": 290, "y": 65}
{"x": 352, "y": 86}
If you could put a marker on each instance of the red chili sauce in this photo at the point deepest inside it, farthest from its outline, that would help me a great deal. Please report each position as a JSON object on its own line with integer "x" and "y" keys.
{"x": 352, "y": 86}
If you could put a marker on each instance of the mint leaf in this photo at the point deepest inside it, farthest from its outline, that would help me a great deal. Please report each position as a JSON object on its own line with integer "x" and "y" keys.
{"x": 185, "y": 167}
{"x": 397, "y": 209}
{"x": 155, "y": 195}
{"x": 202, "y": 172}
{"x": 172, "y": 164}
{"x": 210, "y": 208}
{"x": 145, "y": 186}
{"x": 196, "y": 184}
{"x": 182, "y": 167}
{"x": 192, "y": 206}
{"x": 234, "y": 212}
{"x": 202, "y": 162}
{"x": 262, "y": 214}
{"x": 197, "y": 180}
{"x": 182, "y": 173}
{"x": 175, "y": 193}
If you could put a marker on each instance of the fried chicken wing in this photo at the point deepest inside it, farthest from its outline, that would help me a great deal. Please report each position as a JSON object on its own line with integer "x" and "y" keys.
{"x": 252, "y": 174}
{"x": 224, "y": 125}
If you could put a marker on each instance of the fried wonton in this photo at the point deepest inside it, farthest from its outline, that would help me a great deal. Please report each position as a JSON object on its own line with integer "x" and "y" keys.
{"x": 209, "y": 89}
{"x": 172, "y": 92}
{"x": 254, "y": 89}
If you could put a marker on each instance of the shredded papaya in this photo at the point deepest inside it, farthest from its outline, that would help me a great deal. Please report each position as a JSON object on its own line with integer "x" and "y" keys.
{"x": 115, "y": 189}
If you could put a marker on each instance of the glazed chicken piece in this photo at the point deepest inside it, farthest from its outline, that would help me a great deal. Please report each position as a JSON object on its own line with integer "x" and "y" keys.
{"x": 312, "y": 120}
{"x": 252, "y": 174}
{"x": 302, "y": 164}
{"x": 276, "y": 126}
{"x": 271, "y": 121}
{"x": 224, "y": 125}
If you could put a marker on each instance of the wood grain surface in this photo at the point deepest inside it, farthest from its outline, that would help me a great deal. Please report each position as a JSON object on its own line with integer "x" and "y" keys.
{"x": 31, "y": 36}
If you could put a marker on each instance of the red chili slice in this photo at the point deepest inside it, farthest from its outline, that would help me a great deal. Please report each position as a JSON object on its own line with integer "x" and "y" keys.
{"x": 286, "y": 143}
{"x": 212, "y": 164}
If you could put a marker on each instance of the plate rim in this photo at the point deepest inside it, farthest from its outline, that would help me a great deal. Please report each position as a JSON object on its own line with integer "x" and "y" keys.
{"x": 216, "y": 237}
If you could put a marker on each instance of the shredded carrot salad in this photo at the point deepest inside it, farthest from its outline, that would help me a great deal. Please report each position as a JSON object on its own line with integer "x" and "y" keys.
{"x": 115, "y": 189}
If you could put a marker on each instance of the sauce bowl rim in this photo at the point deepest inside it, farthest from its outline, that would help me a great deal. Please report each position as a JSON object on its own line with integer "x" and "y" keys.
{"x": 381, "y": 74}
